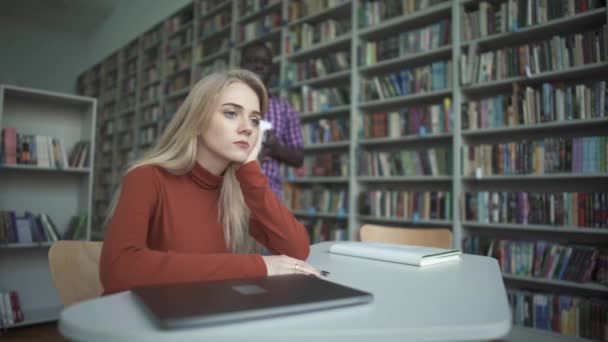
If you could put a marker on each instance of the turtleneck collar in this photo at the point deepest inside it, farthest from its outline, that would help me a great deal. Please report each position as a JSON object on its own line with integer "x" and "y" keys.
{"x": 204, "y": 178}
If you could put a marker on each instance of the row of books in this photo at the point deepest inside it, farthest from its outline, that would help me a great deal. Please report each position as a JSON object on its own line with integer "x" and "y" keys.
{"x": 431, "y": 162}
{"x": 210, "y": 48}
{"x": 40, "y": 150}
{"x": 31, "y": 228}
{"x": 247, "y": 7}
{"x": 10, "y": 309}
{"x": 327, "y": 164}
{"x": 126, "y": 104}
{"x": 433, "y": 77}
{"x": 306, "y": 35}
{"x": 259, "y": 27}
{"x": 180, "y": 20}
{"x": 325, "y": 131}
{"x": 556, "y": 53}
{"x": 316, "y": 200}
{"x": 543, "y": 259}
{"x": 414, "y": 120}
{"x": 568, "y": 315}
{"x": 408, "y": 205}
{"x": 420, "y": 40}
{"x": 179, "y": 63}
{"x": 204, "y": 70}
{"x": 320, "y": 230}
{"x": 319, "y": 99}
{"x": 215, "y": 23}
{"x": 512, "y": 15}
{"x": 375, "y": 12}
{"x": 178, "y": 42}
{"x": 177, "y": 83}
{"x": 207, "y": 6}
{"x": 550, "y": 102}
{"x": 301, "y": 9}
{"x": 318, "y": 67}
{"x": 560, "y": 209}
{"x": 543, "y": 156}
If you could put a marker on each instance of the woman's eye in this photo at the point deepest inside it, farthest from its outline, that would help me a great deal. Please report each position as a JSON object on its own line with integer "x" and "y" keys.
{"x": 255, "y": 121}
{"x": 230, "y": 114}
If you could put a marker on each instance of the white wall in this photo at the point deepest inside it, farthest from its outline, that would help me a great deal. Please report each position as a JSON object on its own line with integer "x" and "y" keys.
{"x": 37, "y": 57}
{"x": 128, "y": 20}
{"x": 33, "y": 55}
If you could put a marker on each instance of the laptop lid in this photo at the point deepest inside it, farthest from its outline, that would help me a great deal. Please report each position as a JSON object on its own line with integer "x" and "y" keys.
{"x": 229, "y": 301}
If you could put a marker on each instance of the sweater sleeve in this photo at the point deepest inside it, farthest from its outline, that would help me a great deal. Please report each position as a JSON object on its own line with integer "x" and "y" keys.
{"x": 271, "y": 223}
{"x": 127, "y": 261}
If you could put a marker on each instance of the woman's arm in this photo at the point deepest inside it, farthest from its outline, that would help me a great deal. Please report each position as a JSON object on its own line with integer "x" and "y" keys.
{"x": 126, "y": 260}
{"x": 271, "y": 223}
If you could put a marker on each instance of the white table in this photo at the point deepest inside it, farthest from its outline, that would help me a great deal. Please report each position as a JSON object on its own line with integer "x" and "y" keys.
{"x": 458, "y": 301}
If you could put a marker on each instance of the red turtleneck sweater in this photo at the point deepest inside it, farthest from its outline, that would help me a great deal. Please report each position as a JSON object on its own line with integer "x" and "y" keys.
{"x": 165, "y": 229}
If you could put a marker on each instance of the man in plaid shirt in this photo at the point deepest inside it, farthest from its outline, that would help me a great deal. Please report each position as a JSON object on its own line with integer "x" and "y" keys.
{"x": 284, "y": 143}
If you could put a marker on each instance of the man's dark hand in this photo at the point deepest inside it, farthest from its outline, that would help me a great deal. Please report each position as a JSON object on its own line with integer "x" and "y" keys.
{"x": 271, "y": 145}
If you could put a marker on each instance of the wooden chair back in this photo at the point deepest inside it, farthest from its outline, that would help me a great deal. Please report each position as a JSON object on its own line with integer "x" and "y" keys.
{"x": 74, "y": 268}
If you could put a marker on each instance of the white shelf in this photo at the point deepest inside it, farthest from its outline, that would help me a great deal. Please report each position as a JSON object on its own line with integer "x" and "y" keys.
{"x": 337, "y": 110}
{"x": 400, "y": 220}
{"x": 546, "y": 126}
{"x": 327, "y": 146}
{"x": 219, "y": 54}
{"x": 319, "y": 214}
{"x": 429, "y": 96}
{"x": 524, "y": 34}
{"x": 262, "y": 11}
{"x": 402, "y": 23}
{"x": 535, "y": 177}
{"x": 310, "y": 179}
{"x": 400, "y": 179}
{"x": 264, "y": 37}
{"x": 218, "y": 32}
{"x": 527, "y": 334}
{"x": 331, "y": 12}
{"x": 594, "y": 287}
{"x": 333, "y": 78}
{"x": 444, "y": 52}
{"x": 405, "y": 139}
{"x": 37, "y": 316}
{"x": 332, "y": 44}
{"x": 215, "y": 10}
{"x": 10, "y": 246}
{"x": 537, "y": 228}
{"x": 573, "y": 73}
{"x": 22, "y": 167}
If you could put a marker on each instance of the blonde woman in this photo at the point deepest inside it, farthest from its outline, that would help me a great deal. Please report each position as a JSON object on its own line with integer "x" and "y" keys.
{"x": 197, "y": 206}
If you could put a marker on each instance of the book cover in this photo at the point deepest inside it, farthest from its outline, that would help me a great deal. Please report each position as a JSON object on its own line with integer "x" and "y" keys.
{"x": 404, "y": 254}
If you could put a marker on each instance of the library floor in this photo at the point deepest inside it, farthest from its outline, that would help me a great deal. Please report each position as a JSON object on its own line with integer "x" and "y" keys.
{"x": 36, "y": 333}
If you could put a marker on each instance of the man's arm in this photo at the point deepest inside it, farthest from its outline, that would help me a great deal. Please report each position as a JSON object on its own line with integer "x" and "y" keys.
{"x": 290, "y": 156}
{"x": 287, "y": 149}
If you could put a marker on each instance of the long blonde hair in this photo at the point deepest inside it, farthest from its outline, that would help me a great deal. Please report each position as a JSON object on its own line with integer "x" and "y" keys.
{"x": 176, "y": 152}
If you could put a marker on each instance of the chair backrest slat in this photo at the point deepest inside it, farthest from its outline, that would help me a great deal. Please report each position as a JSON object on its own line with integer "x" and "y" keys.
{"x": 74, "y": 268}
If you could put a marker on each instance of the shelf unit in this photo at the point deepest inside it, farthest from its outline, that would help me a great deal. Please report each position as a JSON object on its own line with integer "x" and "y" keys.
{"x": 280, "y": 23}
{"x": 59, "y": 193}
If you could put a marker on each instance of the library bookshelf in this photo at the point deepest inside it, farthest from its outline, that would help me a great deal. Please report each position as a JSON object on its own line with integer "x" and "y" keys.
{"x": 391, "y": 99}
{"x": 61, "y": 191}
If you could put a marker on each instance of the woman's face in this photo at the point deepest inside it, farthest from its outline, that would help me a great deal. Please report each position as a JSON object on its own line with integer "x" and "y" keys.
{"x": 233, "y": 129}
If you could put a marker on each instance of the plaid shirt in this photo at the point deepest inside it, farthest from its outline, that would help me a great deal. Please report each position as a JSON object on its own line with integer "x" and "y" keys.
{"x": 286, "y": 127}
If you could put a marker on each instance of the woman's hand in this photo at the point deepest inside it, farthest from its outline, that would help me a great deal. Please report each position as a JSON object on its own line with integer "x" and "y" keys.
{"x": 282, "y": 264}
{"x": 255, "y": 150}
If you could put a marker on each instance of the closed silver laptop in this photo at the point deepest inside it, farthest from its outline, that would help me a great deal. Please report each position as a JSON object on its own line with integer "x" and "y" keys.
{"x": 229, "y": 301}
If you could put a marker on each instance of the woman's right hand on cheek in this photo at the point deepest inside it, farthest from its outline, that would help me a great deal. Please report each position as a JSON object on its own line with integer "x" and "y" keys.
{"x": 282, "y": 264}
